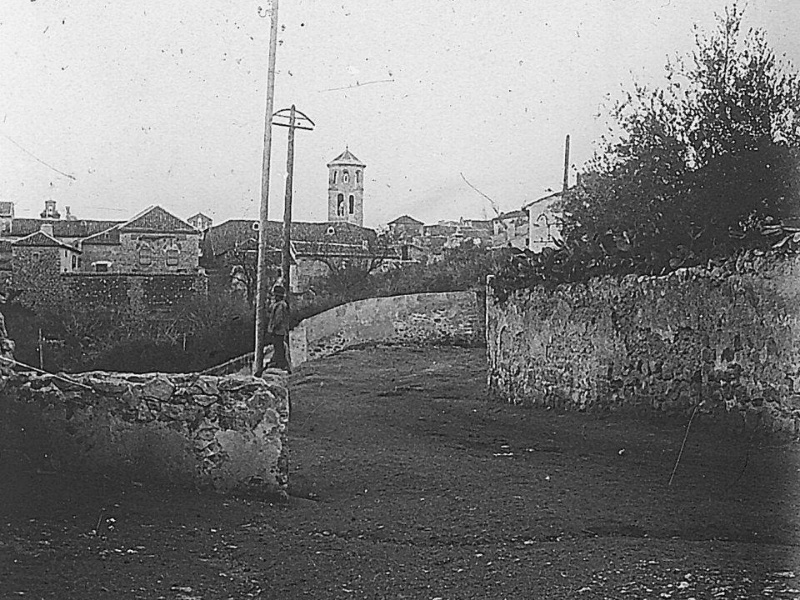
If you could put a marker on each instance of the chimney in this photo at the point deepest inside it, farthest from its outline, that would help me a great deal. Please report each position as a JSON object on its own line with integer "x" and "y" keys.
{"x": 47, "y": 228}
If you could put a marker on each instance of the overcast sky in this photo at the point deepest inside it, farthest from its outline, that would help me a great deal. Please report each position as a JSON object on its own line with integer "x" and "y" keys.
{"x": 109, "y": 106}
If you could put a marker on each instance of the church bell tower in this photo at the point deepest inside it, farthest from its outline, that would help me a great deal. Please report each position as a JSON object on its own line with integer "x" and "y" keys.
{"x": 346, "y": 189}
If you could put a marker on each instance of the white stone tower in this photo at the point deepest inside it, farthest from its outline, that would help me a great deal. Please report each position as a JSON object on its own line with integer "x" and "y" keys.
{"x": 346, "y": 189}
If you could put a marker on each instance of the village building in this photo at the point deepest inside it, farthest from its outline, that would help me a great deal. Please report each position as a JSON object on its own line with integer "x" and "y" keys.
{"x": 38, "y": 261}
{"x": 511, "y": 230}
{"x": 544, "y": 222}
{"x": 405, "y": 228}
{"x": 151, "y": 259}
{"x": 316, "y": 248}
{"x": 154, "y": 241}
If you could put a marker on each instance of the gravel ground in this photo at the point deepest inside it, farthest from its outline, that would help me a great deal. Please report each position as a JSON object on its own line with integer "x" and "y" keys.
{"x": 406, "y": 482}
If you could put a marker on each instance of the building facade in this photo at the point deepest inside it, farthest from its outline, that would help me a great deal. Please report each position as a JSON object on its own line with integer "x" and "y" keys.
{"x": 544, "y": 223}
{"x": 153, "y": 242}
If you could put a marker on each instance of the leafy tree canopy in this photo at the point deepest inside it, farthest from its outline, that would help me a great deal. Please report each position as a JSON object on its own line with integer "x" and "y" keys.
{"x": 698, "y": 167}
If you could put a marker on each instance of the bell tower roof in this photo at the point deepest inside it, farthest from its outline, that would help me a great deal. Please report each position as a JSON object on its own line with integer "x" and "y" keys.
{"x": 346, "y": 158}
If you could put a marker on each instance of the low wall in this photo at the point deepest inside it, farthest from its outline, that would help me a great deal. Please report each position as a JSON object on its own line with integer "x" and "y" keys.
{"x": 729, "y": 337}
{"x": 441, "y": 317}
{"x": 226, "y": 433}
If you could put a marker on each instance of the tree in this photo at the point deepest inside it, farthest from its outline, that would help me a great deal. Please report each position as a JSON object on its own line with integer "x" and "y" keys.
{"x": 698, "y": 166}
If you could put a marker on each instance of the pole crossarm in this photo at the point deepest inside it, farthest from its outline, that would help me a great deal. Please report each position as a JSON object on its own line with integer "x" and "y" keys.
{"x": 283, "y": 118}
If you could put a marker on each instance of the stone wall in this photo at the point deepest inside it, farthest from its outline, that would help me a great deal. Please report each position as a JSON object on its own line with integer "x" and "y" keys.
{"x": 157, "y": 291}
{"x": 226, "y": 433}
{"x": 39, "y": 285}
{"x": 36, "y": 275}
{"x": 443, "y": 317}
{"x": 727, "y": 337}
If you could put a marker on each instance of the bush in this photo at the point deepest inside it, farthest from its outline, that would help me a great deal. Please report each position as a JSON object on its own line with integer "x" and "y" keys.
{"x": 202, "y": 334}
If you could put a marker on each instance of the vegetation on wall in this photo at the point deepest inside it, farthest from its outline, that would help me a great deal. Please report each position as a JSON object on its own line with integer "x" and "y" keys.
{"x": 701, "y": 168}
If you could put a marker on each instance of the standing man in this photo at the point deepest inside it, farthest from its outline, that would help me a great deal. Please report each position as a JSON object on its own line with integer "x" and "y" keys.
{"x": 278, "y": 328}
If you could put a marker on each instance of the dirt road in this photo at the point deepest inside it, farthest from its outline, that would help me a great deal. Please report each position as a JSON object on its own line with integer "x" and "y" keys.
{"x": 407, "y": 483}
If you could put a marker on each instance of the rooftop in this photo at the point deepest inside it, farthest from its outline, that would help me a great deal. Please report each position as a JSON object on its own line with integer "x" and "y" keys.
{"x": 346, "y": 158}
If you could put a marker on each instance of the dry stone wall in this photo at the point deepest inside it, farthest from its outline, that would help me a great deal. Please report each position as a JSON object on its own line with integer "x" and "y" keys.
{"x": 226, "y": 433}
{"x": 728, "y": 338}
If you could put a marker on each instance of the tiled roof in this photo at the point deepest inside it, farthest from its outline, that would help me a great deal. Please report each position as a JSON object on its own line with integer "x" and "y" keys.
{"x": 511, "y": 215}
{"x": 238, "y": 232}
{"x": 346, "y": 158}
{"x": 306, "y": 249}
{"x": 109, "y": 237}
{"x": 405, "y": 220}
{"x": 156, "y": 219}
{"x": 61, "y": 228}
{"x": 42, "y": 239}
{"x": 553, "y": 196}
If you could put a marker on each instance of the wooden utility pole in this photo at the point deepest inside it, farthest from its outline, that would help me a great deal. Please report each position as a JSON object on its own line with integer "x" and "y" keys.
{"x": 262, "y": 291}
{"x": 287, "y": 205}
{"x": 293, "y": 120}
{"x": 566, "y": 165}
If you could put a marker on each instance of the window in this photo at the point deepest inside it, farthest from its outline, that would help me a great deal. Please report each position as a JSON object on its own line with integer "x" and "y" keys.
{"x": 333, "y": 176}
{"x": 74, "y": 262}
{"x": 340, "y": 205}
{"x": 36, "y": 256}
{"x": 351, "y": 204}
{"x": 358, "y": 176}
{"x": 172, "y": 256}
{"x": 101, "y": 266}
{"x": 345, "y": 176}
{"x": 145, "y": 256}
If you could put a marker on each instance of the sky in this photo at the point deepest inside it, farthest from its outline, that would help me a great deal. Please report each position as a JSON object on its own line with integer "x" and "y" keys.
{"x": 111, "y": 106}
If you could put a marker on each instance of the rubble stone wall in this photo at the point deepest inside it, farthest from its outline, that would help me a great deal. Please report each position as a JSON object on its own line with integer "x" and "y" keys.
{"x": 139, "y": 291}
{"x": 441, "y": 317}
{"x": 225, "y": 433}
{"x": 727, "y": 339}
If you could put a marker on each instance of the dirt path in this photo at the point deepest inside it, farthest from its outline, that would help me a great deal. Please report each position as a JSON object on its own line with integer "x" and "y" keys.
{"x": 407, "y": 483}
